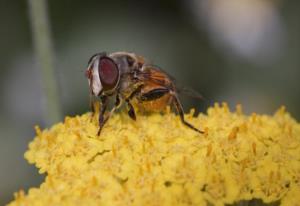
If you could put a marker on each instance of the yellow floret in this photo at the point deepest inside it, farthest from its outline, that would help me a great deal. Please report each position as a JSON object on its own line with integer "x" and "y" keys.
{"x": 159, "y": 161}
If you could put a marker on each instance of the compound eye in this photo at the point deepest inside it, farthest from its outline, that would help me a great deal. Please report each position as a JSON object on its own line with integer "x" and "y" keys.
{"x": 109, "y": 73}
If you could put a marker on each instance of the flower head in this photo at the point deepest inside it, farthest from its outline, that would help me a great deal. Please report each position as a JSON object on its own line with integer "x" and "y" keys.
{"x": 158, "y": 161}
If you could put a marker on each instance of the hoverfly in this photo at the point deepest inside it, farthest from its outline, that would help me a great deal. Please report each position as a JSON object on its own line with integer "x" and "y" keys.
{"x": 130, "y": 78}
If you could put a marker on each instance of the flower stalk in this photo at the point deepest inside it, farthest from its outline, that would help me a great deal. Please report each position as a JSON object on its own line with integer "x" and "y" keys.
{"x": 44, "y": 52}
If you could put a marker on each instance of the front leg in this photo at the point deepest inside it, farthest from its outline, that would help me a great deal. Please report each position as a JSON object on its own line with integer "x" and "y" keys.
{"x": 104, "y": 120}
{"x": 116, "y": 106}
{"x": 104, "y": 103}
{"x": 92, "y": 106}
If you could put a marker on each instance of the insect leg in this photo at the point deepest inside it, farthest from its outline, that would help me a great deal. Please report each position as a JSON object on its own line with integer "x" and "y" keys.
{"x": 116, "y": 106}
{"x": 180, "y": 111}
{"x": 103, "y": 120}
{"x": 101, "y": 113}
{"x": 131, "y": 111}
{"x": 92, "y": 100}
{"x": 92, "y": 105}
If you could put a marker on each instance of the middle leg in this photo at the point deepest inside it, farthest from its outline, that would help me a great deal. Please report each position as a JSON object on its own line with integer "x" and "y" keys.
{"x": 131, "y": 111}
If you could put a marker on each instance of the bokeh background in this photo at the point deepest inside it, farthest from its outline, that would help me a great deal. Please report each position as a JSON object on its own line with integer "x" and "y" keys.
{"x": 238, "y": 51}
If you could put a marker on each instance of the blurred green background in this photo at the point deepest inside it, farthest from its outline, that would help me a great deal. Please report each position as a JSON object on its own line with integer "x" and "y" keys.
{"x": 238, "y": 51}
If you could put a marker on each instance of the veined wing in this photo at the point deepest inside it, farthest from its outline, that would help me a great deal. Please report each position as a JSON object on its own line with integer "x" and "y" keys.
{"x": 158, "y": 76}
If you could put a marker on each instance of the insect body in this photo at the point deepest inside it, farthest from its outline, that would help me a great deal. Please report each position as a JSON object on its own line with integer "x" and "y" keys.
{"x": 130, "y": 79}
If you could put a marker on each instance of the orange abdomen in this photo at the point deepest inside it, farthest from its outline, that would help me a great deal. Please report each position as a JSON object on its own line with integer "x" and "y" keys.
{"x": 158, "y": 105}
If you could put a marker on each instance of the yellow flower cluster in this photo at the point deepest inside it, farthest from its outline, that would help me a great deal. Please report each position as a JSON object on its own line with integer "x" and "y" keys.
{"x": 157, "y": 161}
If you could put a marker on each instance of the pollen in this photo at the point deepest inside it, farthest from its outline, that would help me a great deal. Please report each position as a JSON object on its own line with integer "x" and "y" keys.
{"x": 157, "y": 161}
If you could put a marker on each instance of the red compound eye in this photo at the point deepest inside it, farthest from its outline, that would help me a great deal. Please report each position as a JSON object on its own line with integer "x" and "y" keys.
{"x": 109, "y": 73}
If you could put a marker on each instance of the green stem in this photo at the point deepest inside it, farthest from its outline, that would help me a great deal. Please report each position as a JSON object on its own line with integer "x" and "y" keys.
{"x": 44, "y": 51}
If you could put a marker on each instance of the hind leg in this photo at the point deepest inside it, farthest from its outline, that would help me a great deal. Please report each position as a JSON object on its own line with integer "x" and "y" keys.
{"x": 180, "y": 111}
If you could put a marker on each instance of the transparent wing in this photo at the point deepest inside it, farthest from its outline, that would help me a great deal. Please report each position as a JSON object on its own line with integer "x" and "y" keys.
{"x": 189, "y": 92}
